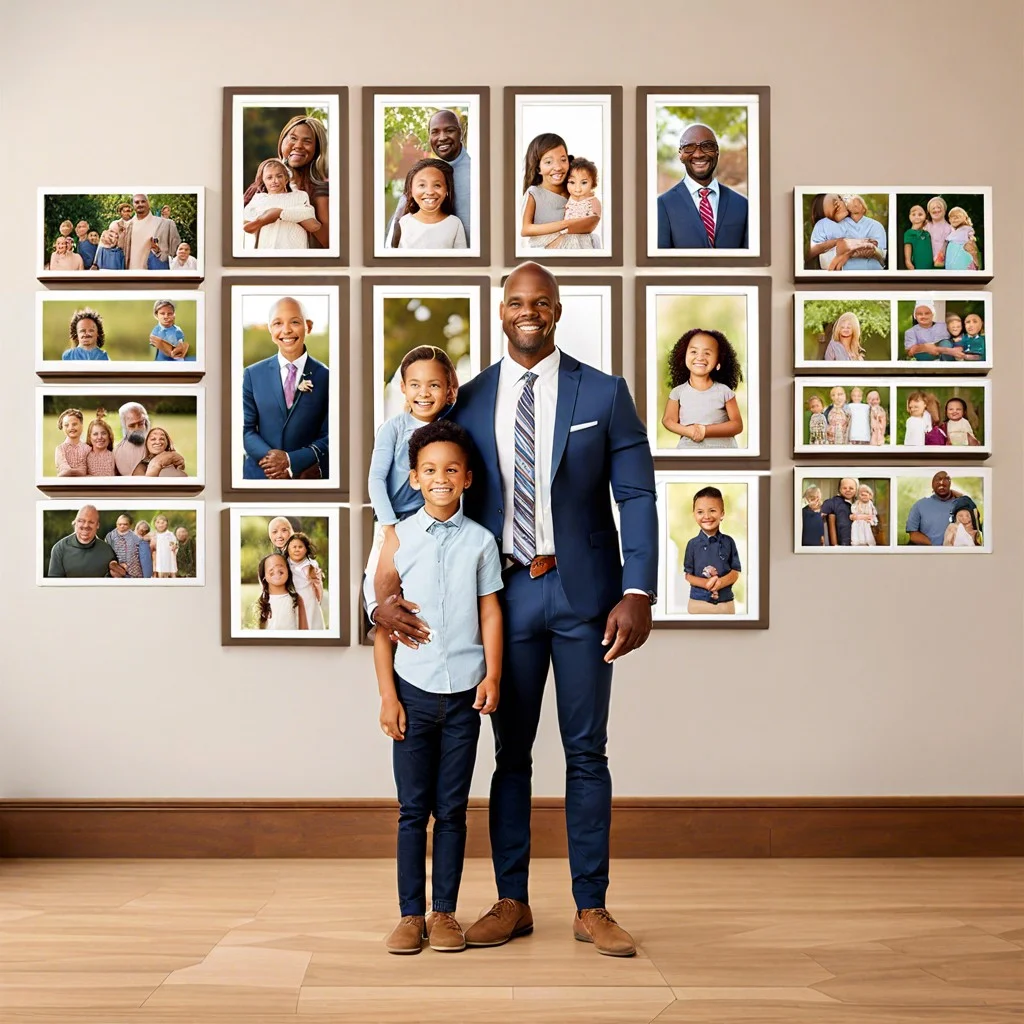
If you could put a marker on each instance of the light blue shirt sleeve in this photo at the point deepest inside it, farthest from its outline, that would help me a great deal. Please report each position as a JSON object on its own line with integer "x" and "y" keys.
{"x": 824, "y": 230}
{"x": 488, "y": 573}
{"x": 381, "y": 462}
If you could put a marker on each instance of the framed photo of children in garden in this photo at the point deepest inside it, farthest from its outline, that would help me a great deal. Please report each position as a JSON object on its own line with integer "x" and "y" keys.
{"x": 936, "y": 232}
{"x": 563, "y": 175}
{"x": 426, "y": 176}
{"x": 120, "y": 332}
{"x": 286, "y": 575}
{"x": 285, "y": 177}
{"x": 927, "y": 510}
{"x": 931, "y": 418}
{"x": 920, "y": 332}
{"x": 713, "y": 558}
{"x": 702, "y": 374}
{"x": 138, "y": 436}
{"x": 134, "y": 232}
{"x": 703, "y": 176}
{"x": 286, "y": 426}
{"x": 118, "y": 542}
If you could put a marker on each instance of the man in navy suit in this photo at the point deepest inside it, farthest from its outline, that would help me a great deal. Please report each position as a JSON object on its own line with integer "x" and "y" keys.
{"x": 568, "y": 599}
{"x": 285, "y": 402}
{"x": 700, "y": 212}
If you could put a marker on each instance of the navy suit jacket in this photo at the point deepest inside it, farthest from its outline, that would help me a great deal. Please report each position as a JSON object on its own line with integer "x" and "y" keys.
{"x": 680, "y": 226}
{"x": 301, "y": 431}
{"x": 609, "y": 447}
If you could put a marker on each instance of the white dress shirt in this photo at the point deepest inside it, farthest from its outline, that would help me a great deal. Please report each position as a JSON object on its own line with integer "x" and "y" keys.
{"x": 300, "y": 365}
{"x": 694, "y": 188}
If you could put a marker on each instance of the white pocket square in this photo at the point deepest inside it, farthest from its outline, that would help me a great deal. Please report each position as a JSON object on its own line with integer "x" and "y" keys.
{"x": 582, "y": 426}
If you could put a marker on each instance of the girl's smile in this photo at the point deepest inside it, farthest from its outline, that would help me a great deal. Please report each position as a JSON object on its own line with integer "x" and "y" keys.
{"x": 275, "y": 570}
{"x": 428, "y": 189}
{"x": 425, "y": 387}
{"x": 157, "y": 442}
{"x": 701, "y": 355}
{"x": 72, "y": 428}
{"x": 98, "y": 439}
{"x": 276, "y": 180}
{"x": 936, "y": 211}
{"x": 554, "y": 165}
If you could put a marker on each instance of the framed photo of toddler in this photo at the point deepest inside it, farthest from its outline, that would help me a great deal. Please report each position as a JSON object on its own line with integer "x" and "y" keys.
{"x": 127, "y": 233}
{"x": 703, "y": 371}
{"x": 286, "y": 427}
{"x": 285, "y": 570}
{"x": 563, "y": 175}
{"x": 426, "y": 174}
{"x": 285, "y": 177}
{"x": 104, "y": 542}
{"x": 703, "y": 176}
{"x": 713, "y": 564}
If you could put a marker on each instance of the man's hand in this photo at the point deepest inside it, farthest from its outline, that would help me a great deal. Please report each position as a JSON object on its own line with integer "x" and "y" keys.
{"x": 275, "y": 464}
{"x": 486, "y": 696}
{"x": 392, "y": 718}
{"x": 629, "y": 622}
{"x": 118, "y": 571}
{"x": 398, "y": 618}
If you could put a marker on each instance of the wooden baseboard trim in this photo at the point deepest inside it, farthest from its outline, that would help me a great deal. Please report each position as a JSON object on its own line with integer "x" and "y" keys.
{"x": 641, "y": 827}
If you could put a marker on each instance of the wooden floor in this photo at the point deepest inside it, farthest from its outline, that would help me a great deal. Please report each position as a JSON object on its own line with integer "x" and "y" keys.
{"x": 837, "y": 941}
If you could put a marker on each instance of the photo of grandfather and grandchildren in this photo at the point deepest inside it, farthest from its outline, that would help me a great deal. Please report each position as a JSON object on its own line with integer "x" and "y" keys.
{"x": 121, "y": 235}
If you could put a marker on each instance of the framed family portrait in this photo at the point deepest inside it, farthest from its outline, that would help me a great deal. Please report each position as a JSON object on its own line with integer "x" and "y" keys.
{"x": 703, "y": 176}
{"x": 135, "y": 232}
{"x": 713, "y": 558}
{"x": 426, "y": 176}
{"x": 937, "y": 232}
{"x": 563, "y": 174}
{"x": 120, "y": 332}
{"x": 120, "y": 542}
{"x": 913, "y": 510}
{"x": 286, "y": 575}
{"x": 285, "y": 353}
{"x": 944, "y": 332}
{"x": 95, "y": 436}
{"x": 930, "y": 418}
{"x": 702, "y": 374}
{"x": 285, "y": 177}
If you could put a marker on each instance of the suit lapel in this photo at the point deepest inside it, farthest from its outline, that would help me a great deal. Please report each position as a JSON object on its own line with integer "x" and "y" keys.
{"x": 568, "y": 387}
{"x": 723, "y": 206}
{"x": 692, "y": 215}
{"x": 488, "y": 401}
{"x": 276, "y": 385}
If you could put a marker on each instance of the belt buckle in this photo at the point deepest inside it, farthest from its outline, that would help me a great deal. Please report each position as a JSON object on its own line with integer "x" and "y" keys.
{"x": 540, "y": 565}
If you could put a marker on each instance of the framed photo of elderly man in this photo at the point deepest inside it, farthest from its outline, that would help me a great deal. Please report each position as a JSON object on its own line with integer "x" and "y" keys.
{"x": 285, "y": 429}
{"x": 138, "y": 436}
{"x": 426, "y": 176}
{"x": 703, "y": 176}
{"x": 134, "y": 232}
{"x": 114, "y": 542}
{"x": 563, "y": 175}
{"x": 285, "y": 177}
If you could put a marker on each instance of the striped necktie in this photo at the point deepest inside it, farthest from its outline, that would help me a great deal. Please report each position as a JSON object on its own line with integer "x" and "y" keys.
{"x": 524, "y": 527}
{"x": 706, "y": 215}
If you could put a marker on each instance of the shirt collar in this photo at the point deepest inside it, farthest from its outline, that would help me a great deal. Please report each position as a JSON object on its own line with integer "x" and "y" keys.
{"x": 427, "y": 522}
{"x": 708, "y": 537}
{"x": 546, "y": 369}
{"x": 463, "y": 155}
{"x": 695, "y": 186}
{"x": 300, "y": 363}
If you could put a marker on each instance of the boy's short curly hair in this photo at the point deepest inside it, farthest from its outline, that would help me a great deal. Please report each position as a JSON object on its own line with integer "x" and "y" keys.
{"x": 439, "y": 430}
{"x": 709, "y": 492}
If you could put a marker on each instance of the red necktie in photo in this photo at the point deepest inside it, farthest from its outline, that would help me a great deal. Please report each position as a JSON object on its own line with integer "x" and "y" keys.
{"x": 706, "y": 215}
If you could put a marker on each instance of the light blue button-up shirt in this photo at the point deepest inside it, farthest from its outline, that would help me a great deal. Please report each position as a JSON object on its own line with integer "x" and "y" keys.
{"x": 445, "y": 569}
{"x": 391, "y": 494}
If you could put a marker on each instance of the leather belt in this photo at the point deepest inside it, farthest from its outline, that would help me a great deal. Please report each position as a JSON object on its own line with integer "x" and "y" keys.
{"x": 539, "y": 566}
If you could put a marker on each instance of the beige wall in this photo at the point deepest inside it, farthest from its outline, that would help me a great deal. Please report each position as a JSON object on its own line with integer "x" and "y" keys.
{"x": 843, "y": 695}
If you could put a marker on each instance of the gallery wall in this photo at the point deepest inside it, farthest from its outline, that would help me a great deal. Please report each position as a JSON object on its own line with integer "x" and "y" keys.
{"x": 878, "y": 675}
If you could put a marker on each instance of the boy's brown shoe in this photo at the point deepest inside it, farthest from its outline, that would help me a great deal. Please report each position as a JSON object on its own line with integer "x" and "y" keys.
{"x": 445, "y": 933}
{"x": 407, "y": 936}
{"x": 599, "y": 927}
{"x": 506, "y": 920}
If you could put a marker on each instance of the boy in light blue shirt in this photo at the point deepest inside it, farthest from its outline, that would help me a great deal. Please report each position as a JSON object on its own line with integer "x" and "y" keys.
{"x": 167, "y": 337}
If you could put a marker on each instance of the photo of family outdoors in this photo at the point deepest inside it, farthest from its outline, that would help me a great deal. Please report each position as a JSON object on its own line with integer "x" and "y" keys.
{"x": 86, "y": 543}
{"x": 894, "y": 330}
{"x": 904, "y": 510}
{"x": 123, "y": 234}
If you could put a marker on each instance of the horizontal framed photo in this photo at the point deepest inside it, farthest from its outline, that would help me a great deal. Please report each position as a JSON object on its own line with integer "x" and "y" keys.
{"x": 120, "y": 332}
{"x": 120, "y": 542}
{"x": 563, "y": 176}
{"x": 286, "y": 177}
{"x": 889, "y": 509}
{"x": 93, "y": 436}
{"x": 426, "y": 176}
{"x": 933, "y": 418}
{"x": 286, "y": 575}
{"x": 713, "y": 563}
{"x": 946, "y": 332}
{"x": 703, "y": 176}
{"x": 285, "y": 352}
{"x": 702, "y": 375}
{"x": 941, "y": 233}
{"x": 136, "y": 232}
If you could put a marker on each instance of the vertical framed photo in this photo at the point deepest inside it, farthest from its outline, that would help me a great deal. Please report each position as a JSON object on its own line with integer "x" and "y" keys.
{"x": 703, "y": 176}
{"x": 285, "y": 177}
{"x": 155, "y": 543}
{"x": 703, "y": 370}
{"x": 713, "y": 562}
{"x": 564, "y": 163}
{"x": 285, "y": 430}
{"x": 285, "y": 575}
{"x": 127, "y": 233}
{"x": 427, "y": 176}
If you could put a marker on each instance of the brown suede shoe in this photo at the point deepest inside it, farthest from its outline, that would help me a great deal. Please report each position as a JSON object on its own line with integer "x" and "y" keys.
{"x": 507, "y": 919}
{"x": 407, "y": 936}
{"x": 599, "y": 927}
{"x": 445, "y": 933}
